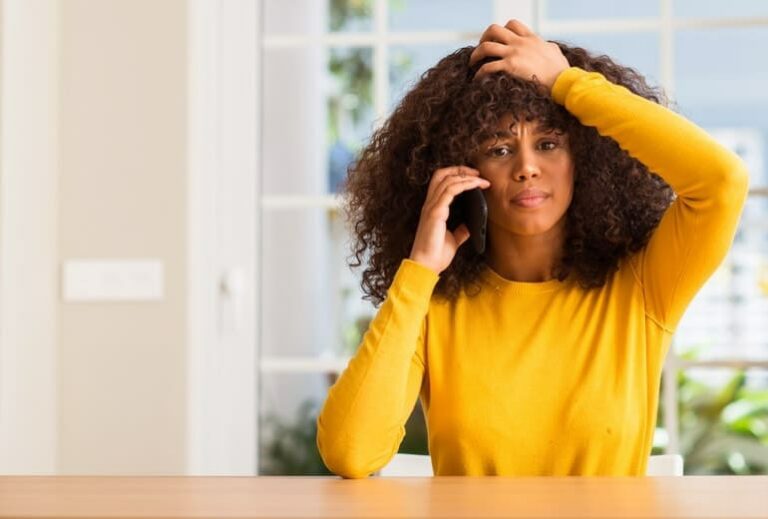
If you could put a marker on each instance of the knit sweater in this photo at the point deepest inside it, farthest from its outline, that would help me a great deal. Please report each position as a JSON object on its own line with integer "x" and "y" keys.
{"x": 544, "y": 378}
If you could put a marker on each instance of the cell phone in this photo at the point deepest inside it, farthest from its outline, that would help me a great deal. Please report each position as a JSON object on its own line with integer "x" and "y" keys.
{"x": 469, "y": 207}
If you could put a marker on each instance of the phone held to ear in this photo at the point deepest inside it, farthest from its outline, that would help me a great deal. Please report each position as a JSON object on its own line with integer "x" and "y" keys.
{"x": 470, "y": 208}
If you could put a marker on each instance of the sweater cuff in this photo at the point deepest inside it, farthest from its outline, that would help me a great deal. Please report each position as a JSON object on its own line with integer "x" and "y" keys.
{"x": 414, "y": 279}
{"x": 564, "y": 81}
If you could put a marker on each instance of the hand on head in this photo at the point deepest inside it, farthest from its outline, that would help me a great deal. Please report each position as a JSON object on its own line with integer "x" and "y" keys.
{"x": 519, "y": 52}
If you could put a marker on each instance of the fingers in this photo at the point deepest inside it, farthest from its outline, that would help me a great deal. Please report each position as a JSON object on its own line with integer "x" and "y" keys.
{"x": 489, "y": 49}
{"x": 442, "y": 174}
{"x": 445, "y": 193}
{"x": 506, "y": 34}
{"x": 444, "y": 178}
{"x": 519, "y": 28}
{"x": 490, "y": 68}
{"x": 497, "y": 33}
{"x": 461, "y": 234}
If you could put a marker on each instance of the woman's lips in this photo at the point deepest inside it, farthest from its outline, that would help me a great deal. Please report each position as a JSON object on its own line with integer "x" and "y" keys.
{"x": 529, "y": 201}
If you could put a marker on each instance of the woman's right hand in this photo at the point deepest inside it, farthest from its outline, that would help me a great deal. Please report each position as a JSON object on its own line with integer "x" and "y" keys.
{"x": 435, "y": 246}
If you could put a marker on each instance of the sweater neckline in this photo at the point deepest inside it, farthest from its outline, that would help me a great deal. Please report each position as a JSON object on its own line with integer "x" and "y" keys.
{"x": 499, "y": 282}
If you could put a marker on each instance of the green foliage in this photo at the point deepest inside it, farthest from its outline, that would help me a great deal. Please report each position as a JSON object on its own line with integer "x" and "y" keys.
{"x": 293, "y": 450}
{"x": 725, "y": 430}
{"x": 342, "y": 12}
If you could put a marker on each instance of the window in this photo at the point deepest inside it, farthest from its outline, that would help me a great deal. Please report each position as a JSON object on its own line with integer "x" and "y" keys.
{"x": 334, "y": 69}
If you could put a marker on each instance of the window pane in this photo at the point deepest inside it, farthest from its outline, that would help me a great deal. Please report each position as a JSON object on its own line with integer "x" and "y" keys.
{"x": 313, "y": 303}
{"x": 350, "y": 15}
{"x": 293, "y": 121}
{"x": 294, "y": 16}
{"x": 350, "y": 109}
{"x": 568, "y": 9}
{"x": 440, "y": 15}
{"x": 317, "y": 16}
{"x": 727, "y": 318}
{"x": 317, "y": 110}
{"x": 297, "y": 319}
{"x": 289, "y": 405}
{"x": 724, "y": 420}
{"x": 408, "y": 62}
{"x": 729, "y": 97}
{"x": 637, "y": 50}
{"x": 718, "y": 8}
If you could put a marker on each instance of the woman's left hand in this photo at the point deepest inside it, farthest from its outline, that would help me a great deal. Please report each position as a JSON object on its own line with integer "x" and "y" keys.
{"x": 523, "y": 54}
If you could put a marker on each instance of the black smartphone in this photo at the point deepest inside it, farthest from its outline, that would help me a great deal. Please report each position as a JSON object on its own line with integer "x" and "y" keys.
{"x": 469, "y": 207}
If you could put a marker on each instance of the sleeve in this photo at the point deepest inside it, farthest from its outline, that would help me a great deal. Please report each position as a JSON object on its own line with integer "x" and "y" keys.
{"x": 362, "y": 422}
{"x": 710, "y": 182}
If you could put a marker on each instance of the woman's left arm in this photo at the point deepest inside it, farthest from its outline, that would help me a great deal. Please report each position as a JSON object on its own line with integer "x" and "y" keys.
{"x": 710, "y": 181}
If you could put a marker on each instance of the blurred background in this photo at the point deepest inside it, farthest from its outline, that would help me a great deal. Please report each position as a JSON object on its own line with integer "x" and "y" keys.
{"x": 174, "y": 289}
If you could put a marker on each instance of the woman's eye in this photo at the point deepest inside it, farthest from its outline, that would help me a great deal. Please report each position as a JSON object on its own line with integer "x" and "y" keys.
{"x": 546, "y": 145}
{"x": 504, "y": 151}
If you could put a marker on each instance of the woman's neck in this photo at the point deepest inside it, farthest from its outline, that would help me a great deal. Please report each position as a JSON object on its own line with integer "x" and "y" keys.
{"x": 530, "y": 259}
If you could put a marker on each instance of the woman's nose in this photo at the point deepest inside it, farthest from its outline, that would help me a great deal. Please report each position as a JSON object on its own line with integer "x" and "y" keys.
{"x": 526, "y": 166}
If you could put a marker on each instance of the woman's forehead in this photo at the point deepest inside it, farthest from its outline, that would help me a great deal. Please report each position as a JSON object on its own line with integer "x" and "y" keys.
{"x": 511, "y": 124}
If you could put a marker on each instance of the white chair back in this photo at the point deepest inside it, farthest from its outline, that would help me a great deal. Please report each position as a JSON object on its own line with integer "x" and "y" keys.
{"x": 665, "y": 465}
{"x": 419, "y": 465}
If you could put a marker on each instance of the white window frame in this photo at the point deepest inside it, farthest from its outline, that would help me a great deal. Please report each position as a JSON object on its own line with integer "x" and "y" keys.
{"x": 222, "y": 240}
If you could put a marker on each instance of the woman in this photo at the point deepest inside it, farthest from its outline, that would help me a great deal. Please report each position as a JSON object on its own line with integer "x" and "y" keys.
{"x": 543, "y": 354}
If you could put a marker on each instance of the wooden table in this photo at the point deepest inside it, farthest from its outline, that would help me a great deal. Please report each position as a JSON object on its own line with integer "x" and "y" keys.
{"x": 690, "y": 496}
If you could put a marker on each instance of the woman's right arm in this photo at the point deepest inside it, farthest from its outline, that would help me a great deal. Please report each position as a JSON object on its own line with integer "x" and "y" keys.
{"x": 362, "y": 422}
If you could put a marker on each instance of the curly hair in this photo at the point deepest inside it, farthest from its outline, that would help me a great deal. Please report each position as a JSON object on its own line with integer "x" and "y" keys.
{"x": 617, "y": 202}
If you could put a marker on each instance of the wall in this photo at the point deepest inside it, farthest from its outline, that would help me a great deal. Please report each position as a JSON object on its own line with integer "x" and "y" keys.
{"x": 122, "y": 195}
{"x": 28, "y": 235}
{"x": 128, "y": 130}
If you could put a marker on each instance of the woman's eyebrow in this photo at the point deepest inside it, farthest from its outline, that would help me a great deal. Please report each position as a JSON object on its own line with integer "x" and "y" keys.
{"x": 503, "y": 134}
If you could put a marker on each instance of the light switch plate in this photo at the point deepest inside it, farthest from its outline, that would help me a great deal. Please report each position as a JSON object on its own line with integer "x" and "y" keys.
{"x": 113, "y": 280}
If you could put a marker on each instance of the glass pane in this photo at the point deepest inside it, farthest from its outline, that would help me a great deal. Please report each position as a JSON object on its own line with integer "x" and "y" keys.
{"x": 294, "y": 16}
{"x": 350, "y": 109}
{"x": 293, "y": 121}
{"x": 440, "y": 15}
{"x": 718, "y": 8}
{"x": 700, "y": 88}
{"x": 317, "y": 16}
{"x": 568, "y": 9}
{"x": 317, "y": 112}
{"x": 408, "y": 62}
{"x": 723, "y": 420}
{"x": 289, "y": 405}
{"x": 727, "y": 318}
{"x": 637, "y": 50}
{"x": 350, "y": 15}
{"x": 313, "y": 304}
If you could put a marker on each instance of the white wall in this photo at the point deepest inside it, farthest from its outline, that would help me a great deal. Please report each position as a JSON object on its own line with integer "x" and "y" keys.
{"x": 101, "y": 103}
{"x": 122, "y": 195}
{"x": 28, "y": 235}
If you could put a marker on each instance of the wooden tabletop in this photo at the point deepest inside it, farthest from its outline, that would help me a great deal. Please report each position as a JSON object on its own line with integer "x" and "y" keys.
{"x": 222, "y": 497}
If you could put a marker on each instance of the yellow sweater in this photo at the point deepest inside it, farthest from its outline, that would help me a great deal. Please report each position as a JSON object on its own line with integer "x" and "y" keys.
{"x": 544, "y": 378}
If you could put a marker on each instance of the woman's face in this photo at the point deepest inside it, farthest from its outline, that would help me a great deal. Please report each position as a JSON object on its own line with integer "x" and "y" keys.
{"x": 531, "y": 174}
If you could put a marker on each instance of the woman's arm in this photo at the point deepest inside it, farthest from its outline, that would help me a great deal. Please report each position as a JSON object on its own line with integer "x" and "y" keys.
{"x": 362, "y": 422}
{"x": 710, "y": 181}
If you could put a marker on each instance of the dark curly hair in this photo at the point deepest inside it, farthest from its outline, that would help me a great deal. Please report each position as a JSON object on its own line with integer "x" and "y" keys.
{"x": 617, "y": 201}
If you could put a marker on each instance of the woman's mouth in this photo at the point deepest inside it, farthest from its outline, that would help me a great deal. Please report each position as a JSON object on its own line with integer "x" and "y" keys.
{"x": 534, "y": 201}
